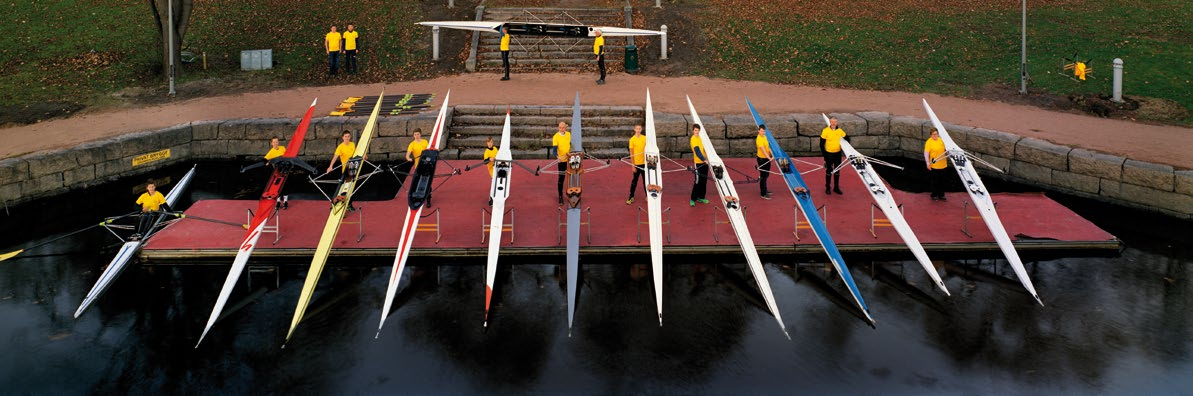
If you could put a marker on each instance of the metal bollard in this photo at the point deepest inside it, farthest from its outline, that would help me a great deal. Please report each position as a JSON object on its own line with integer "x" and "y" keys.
{"x": 663, "y": 47}
{"x": 434, "y": 43}
{"x": 1118, "y": 81}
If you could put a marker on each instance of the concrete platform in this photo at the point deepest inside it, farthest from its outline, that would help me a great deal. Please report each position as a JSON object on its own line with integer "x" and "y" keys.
{"x": 1038, "y": 224}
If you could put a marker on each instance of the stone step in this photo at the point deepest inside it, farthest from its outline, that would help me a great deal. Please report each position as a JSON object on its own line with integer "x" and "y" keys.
{"x": 535, "y": 132}
{"x": 550, "y": 53}
{"x": 535, "y": 157}
{"x": 542, "y": 120}
{"x": 574, "y": 64}
{"x": 518, "y": 110}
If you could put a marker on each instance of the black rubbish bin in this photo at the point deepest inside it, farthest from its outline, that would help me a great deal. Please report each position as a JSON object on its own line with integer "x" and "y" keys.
{"x": 631, "y": 59}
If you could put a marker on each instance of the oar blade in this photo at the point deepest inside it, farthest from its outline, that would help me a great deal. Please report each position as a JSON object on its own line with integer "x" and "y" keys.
{"x": 9, "y": 255}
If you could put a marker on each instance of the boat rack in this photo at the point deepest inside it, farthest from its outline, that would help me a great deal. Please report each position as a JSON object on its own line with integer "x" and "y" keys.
{"x": 965, "y": 217}
{"x": 505, "y": 227}
{"x": 876, "y": 222}
{"x": 823, "y": 209}
{"x": 423, "y": 226}
{"x": 715, "y": 223}
{"x": 666, "y": 223}
{"x": 587, "y": 224}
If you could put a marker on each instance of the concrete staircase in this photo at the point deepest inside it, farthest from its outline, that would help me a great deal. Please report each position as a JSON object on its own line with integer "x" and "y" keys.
{"x": 606, "y": 129}
{"x": 555, "y": 54}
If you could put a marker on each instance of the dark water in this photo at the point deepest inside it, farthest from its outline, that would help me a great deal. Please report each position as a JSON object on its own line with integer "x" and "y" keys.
{"x": 1111, "y": 325}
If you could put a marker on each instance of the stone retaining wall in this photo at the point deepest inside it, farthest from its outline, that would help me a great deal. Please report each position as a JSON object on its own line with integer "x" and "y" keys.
{"x": 1049, "y": 166}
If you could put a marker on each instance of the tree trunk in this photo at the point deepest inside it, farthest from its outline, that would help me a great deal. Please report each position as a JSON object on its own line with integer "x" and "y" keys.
{"x": 182, "y": 15}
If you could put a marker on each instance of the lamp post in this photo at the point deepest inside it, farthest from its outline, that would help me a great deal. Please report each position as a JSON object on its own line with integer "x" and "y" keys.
{"x": 1023, "y": 53}
{"x": 170, "y": 46}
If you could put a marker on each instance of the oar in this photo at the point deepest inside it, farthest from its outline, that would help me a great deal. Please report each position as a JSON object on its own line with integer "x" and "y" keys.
{"x": 186, "y": 216}
{"x": 9, "y": 255}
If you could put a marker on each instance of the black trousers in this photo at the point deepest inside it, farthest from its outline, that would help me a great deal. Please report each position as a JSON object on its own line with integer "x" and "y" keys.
{"x": 333, "y": 61}
{"x": 563, "y": 167}
{"x": 505, "y": 62}
{"x": 763, "y": 173}
{"x": 936, "y": 179}
{"x": 700, "y": 187}
{"x": 145, "y": 222}
{"x": 350, "y": 61}
{"x": 634, "y": 181}
{"x": 601, "y": 65}
{"x": 832, "y": 161}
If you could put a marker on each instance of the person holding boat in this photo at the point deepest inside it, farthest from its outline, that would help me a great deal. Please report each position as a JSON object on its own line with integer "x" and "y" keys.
{"x": 489, "y": 157}
{"x": 598, "y": 49}
{"x": 505, "y": 52}
{"x": 276, "y": 149}
{"x": 764, "y": 158}
{"x": 344, "y": 152}
{"x": 562, "y": 143}
{"x": 937, "y": 164}
{"x": 414, "y": 150}
{"x": 700, "y": 186}
{"x": 638, "y": 160}
{"x": 830, "y": 149}
{"x": 150, "y": 201}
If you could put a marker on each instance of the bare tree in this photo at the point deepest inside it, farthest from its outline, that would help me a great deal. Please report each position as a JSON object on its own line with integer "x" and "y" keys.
{"x": 182, "y": 16}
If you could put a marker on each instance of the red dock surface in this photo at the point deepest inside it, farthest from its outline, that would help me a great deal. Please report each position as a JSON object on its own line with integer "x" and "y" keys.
{"x": 1035, "y": 222}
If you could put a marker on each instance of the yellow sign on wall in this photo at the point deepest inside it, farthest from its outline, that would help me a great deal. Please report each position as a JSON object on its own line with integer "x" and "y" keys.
{"x": 151, "y": 157}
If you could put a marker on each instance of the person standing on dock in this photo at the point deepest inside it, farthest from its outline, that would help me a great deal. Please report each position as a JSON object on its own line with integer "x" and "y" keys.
{"x": 638, "y": 160}
{"x": 598, "y": 48}
{"x": 276, "y": 149}
{"x": 700, "y": 186}
{"x": 331, "y": 43}
{"x": 150, "y": 201}
{"x": 350, "y": 37}
{"x": 562, "y": 142}
{"x": 414, "y": 150}
{"x": 764, "y": 158}
{"x": 937, "y": 163}
{"x": 489, "y": 157}
{"x": 343, "y": 152}
{"x": 830, "y": 149}
{"x": 505, "y": 52}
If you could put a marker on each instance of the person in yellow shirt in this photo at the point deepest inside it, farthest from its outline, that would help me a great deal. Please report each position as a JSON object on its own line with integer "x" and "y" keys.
{"x": 416, "y": 146}
{"x": 489, "y": 157}
{"x": 150, "y": 201}
{"x": 598, "y": 48}
{"x": 638, "y": 159}
{"x": 275, "y": 149}
{"x": 344, "y": 152}
{"x": 700, "y": 187}
{"x": 764, "y": 158}
{"x": 562, "y": 142}
{"x": 937, "y": 164}
{"x": 350, "y": 37}
{"x": 331, "y": 43}
{"x": 505, "y": 52}
{"x": 830, "y": 148}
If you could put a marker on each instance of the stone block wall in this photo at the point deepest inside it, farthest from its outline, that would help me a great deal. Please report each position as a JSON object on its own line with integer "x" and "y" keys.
{"x": 1049, "y": 166}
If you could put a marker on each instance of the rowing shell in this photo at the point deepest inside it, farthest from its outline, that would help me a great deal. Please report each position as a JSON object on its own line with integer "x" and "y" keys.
{"x": 499, "y": 190}
{"x": 884, "y": 200}
{"x": 799, "y": 190}
{"x": 339, "y": 207}
{"x": 654, "y": 205}
{"x": 542, "y": 29}
{"x": 419, "y": 194}
{"x": 732, "y": 204}
{"x": 982, "y": 201}
{"x": 573, "y": 183}
{"x": 129, "y": 249}
{"x": 266, "y": 207}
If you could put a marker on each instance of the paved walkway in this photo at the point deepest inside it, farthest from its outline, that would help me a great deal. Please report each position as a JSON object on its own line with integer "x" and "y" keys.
{"x": 1171, "y": 145}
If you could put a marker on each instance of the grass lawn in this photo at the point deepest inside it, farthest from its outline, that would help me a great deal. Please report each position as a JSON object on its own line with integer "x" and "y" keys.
{"x": 953, "y": 47}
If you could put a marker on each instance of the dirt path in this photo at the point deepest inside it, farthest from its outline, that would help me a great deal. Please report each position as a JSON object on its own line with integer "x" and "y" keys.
{"x": 1170, "y": 145}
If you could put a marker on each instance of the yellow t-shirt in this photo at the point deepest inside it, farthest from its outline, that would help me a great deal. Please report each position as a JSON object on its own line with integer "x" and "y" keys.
{"x": 563, "y": 143}
{"x": 275, "y": 152}
{"x": 696, "y": 143}
{"x": 597, "y": 45}
{"x": 333, "y": 41}
{"x": 415, "y": 148}
{"x": 490, "y": 154}
{"x": 350, "y": 40}
{"x": 637, "y": 150}
{"x": 832, "y": 139}
{"x": 505, "y": 42}
{"x": 935, "y": 148}
{"x": 151, "y": 202}
{"x": 763, "y": 146}
{"x": 345, "y": 151}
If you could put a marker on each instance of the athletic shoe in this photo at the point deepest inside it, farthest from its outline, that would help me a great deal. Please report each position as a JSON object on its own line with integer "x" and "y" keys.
{"x": 601, "y": 82}
{"x": 691, "y": 203}
{"x": 838, "y": 191}
{"x": 629, "y": 201}
{"x": 767, "y": 196}
{"x": 702, "y": 200}
{"x": 505, "y": 78}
